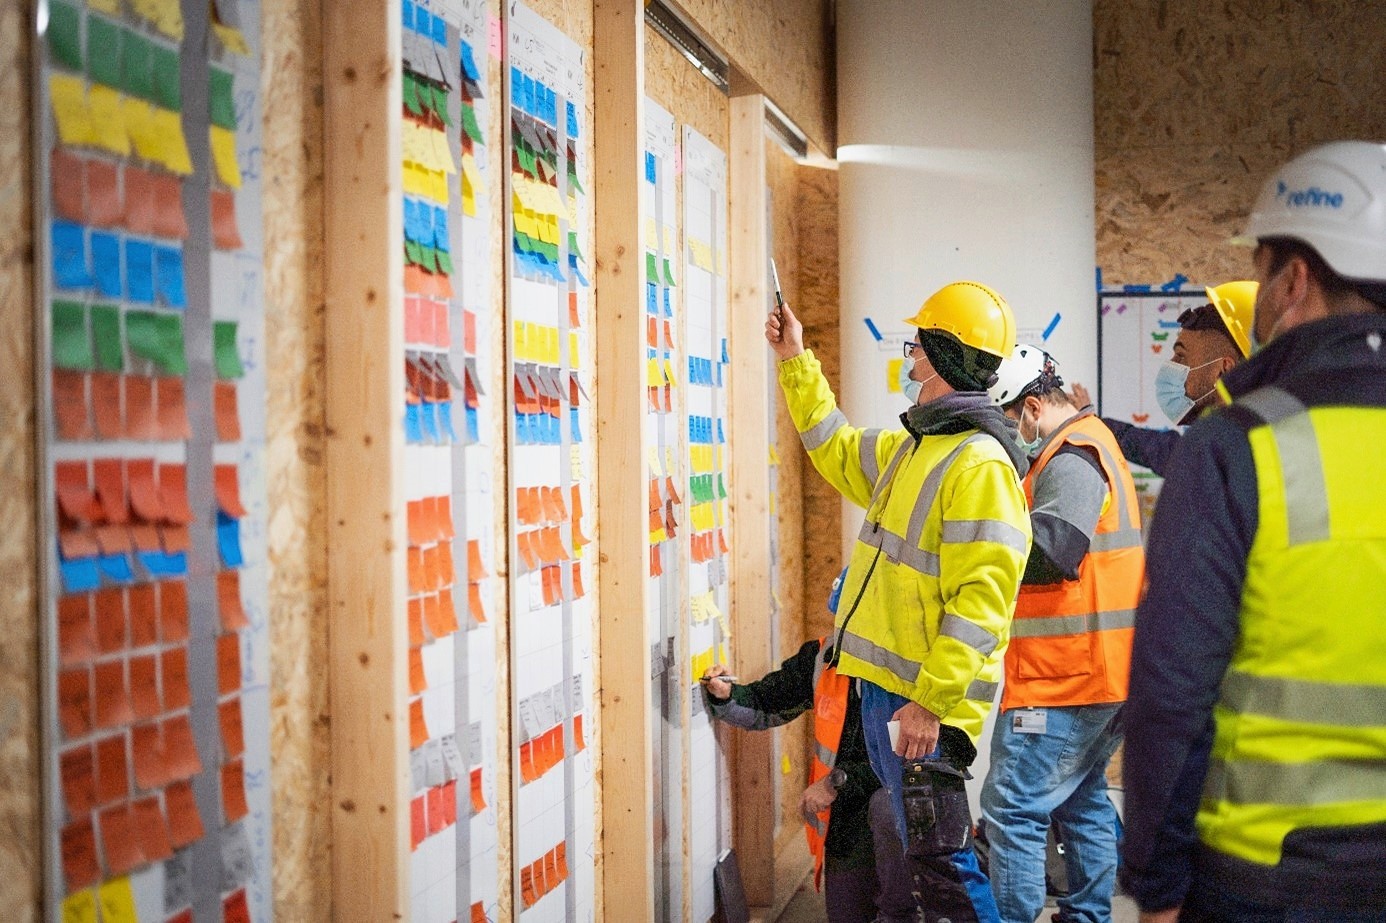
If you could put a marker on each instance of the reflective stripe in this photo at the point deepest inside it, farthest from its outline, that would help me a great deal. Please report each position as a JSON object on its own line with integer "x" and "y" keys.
{"x": 1298, "y": 784}
{"x": 985, "y": 530}
{"x": 973, "y": 635}
{"x": 1301, "y": 464}
{"x": 896, "y": 550}
{"x": 824, "y": 755}
{"x": 820, "y": 432}
{"x": 979, "y": 690}
{"x": 1072, "y": 624}
{"x": 869, "y": 651}
{"x": 906, "y": 447}
{"x": 1115, "y": 541}
{"x": 866, "y": 455}
{"x": 1305, "y": 701}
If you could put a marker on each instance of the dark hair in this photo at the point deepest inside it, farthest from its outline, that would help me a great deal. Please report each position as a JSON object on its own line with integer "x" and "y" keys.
{"x": 1206, "y": 317}
{"x": 1334, "y": 285}
{"x": 964, "y": 367}
{"x": 1048, "y": 387}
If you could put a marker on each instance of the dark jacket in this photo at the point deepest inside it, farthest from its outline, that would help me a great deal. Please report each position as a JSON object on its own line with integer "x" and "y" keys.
{"x": 1188, "y": 624}
{"x": 784, "y": 695}
{"x": 1149, "y": 448}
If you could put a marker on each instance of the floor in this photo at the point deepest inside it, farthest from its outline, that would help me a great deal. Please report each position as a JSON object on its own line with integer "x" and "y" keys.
{"x": 807, "y": 907}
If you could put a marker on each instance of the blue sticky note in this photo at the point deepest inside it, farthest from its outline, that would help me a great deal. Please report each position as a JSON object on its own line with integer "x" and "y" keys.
{"x": 668, "y": 305}
{"x": 650, "y": 175}
{"x": 79, "y": 574}
{"x": 444, "y": 412}
{"x": 115, "y": 567}
{"x": 105, "y": 263}
{"x": 229, "y": 541}
{"x": 721, "y": 436}
{"x": 429, "y": 422}
{"x": 413, "y": 429}
{"x": 572, "y": 120}
{"x": 69, "y": 256}
{"x": 473, "y": 428}
{"x": 441, "y": 238}
{"x": 576, "y": 429}
{"x": 651, "y": 298}
{"x": 408, "y": 15}
{"x": 168, "y": 276}
{"x": 440, "y": 31}
{"x": 411, "y": 220}
{"x": 152, "y": 562}
{"x": 581, "y": 279}
{"x": 469, "y": 63}
{"x": 423, "y": 223}
{"x": 176, "y": 564}
{"x": 550, "y": 107}
{"x": 139, "y": 271}
{"x": 516, "y": 85}
{"x": 522, "y": 429}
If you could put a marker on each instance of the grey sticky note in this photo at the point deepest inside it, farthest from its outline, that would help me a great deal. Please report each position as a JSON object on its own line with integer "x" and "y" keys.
{"x": 474, "y": 754}
{"x": 452, "y": 758}
{"x": 418, "y": 771}
{"x": 433, "y": 760}
{"x": 237, "y": 860}
{"x": 528, "y": 721}
{"x": 178, "y": 891}
{"x": 576, "y": 692}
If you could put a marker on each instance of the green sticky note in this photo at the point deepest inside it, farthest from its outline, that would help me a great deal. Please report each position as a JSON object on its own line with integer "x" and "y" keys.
{"x": 411, "y": 94}
{"x": 105, "y": 331}
{"x": 65, "y": 35}
{"x": 573, "y": 247}
{"x": 440, "y": 104}
{"x": 71, "y": 344}
{"x": 137, "y": 79}
{"x": 157, "y": 338}
{"x": 721, "y": 488}
{"x": 228, "y": 359}
{"x": 168, "y": 80}
{"x": 103, "y": 51}
{"x": 444, "y": 262}
{"x": 411, "y": 252}
{"x": 428, "y": 258}
{"x": 549, "y": 250}
{"x": 469, "y": 126}
{"x": 651, "y": 268}
{"x": 668, "y": 273}
{"x": 220, "y": 100}
{"x": 573, "y": 184}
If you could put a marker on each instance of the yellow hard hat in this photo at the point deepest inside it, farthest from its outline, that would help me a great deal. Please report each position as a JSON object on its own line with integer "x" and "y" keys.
{"x": 974, "y": 313}
{"x": 1236, "y": 304}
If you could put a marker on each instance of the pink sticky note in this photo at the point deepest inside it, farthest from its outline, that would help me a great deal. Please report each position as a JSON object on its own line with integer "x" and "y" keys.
{"x": 494, "y": 32}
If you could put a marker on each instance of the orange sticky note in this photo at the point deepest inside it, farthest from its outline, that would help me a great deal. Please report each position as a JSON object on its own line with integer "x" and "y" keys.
{"x": 141, "y": 422}
{"x": 578, "y": 740}
{"x": 226, "y": 411}
{"x": 77, "y": 768}
{"x": 526, "y": 547}
{"x": 228, "y": 490}
{"x": 578, "y": 591}
{"x": 443, "y": 511}
{"x": 447, "y": 568}
{"x": 168, "y": 208}
{"x": 80, "y": 868}
{"x": 110, "y": 619}
{"x": 173, "y": 610}
{"x": 173, "y": 665}
{"x": 173, "y": 493}
{"x": 139, "y": 200}
{"x": 229, "y": 605}
{"x": 527, "y": 895}
{"x": 233, "y": 804}
{"x": 225, "y": 234}
{"x": 71, "y": 411}
{"x": 106, "y": 405}
{"x": 76, "y": 499}
{"x": 76, "y": 637}
{"x": 416, "y": 632}
{"x": 112, "y": 777}
{"x": 180, "y": 749}
{"x": 144, "y": 494}
{"x": 174, "y": 539}
{"x": 118, "y": 842}
{"x": 478, "y": 798}
{"x": 561, "y": 854}
{"x": 143, "y": 614}
{"x": 149, "y": 822}
{"x": 109, "y": 475}
{"x": 151, "y": 763}
{"x": 78, "y": 543}
{"x": 228, "y": 663}
{"x": 74, "y": 701}
{"x": 418, "y": 728}
{"x": 431, "y": 576}
{"x": 417, "y": 681}
{"x": 235, "y": 908}
{"x": 112, "y": 539}
{"x": 184, "y": 823}
{"x": 144, "y": 687}
{"x": 66, "y": 169}
{"x": 173, "y": 409}
{"x": 478, "y": 611}
{"x": 414, "y": 514}
{"x": 415, "y": 562}
{"x": 551, "y": 869}
{"x": 479, "y": 913}
{"x": 447, "y": 612}
{"x": 104, "y": 208}
{"x": 232, "y": 733}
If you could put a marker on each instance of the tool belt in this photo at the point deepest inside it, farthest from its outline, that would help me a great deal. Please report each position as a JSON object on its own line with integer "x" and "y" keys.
{"x": 937, "y": 818}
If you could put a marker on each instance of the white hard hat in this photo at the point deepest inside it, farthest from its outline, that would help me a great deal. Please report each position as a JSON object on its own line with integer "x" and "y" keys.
{"x": 1333, "y": 198}
{"x": 1026, "y": 366}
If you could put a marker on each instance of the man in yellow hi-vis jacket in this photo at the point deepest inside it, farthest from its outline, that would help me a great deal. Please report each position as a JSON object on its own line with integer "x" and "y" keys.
{"x": 932, "y": 582}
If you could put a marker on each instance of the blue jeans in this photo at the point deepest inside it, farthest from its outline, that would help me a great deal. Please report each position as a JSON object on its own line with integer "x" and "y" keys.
{"x": 1057, "y": 775}
{"x": 946, "y": 887}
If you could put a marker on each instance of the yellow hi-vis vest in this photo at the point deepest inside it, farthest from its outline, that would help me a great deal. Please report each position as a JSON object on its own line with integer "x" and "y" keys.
{"x": 1300, "y": 738}
{"x": 930, "y": 590}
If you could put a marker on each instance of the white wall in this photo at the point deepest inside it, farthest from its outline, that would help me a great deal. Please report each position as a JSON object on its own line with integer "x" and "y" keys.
{"x": 966, "y": 151}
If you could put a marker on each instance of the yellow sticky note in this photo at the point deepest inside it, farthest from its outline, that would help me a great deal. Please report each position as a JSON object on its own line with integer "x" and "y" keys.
{"x": 438, "y": 186}
{"x": 651, "y": 234}
{"x": 80, "y": 907}
{"x": 653, "y": 378}
{"x": 656, "y": 470}
{"x": 669, "y": 371}
{"x": 231, "y": 39}
{"x": 69, "y": 97}
{"x": 551, "y": 342}
{"x": 468, "y": 202}
{"x": 167, "y": 126}
{"x": 224, "y": 156}
{"x": 893, "y": 375}
{"x": 784, "y": 764}
{"x": 107, "y": 121}
{"x": 520, "y": 334}
{"x": 138, "y": 116}
{"x": 574, "y": 357}
{"x": 117, "y": 902}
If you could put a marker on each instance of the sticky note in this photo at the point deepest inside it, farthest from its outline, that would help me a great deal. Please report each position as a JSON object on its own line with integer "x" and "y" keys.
{"x": 104, "y": 109}
{"x": 105, "y": 263}
{"x": 65, "y": 35}
{"x": 71, "y": 343}
{"x": 228, "y": 360}
{"x": 223, "y": 142}
{"x": 69, "y": 98}
{"x": 137, "y": 77}
{"x": 104, "y": 47}
{"x": 229, "y": 541}
{"x": 167, "y": 78}
{"x": 233, "y": 791}
{"x": 226, "y": 234}
{"x": 142, "y": 130}
{"x": 80, "y": 906}
{"x": 139, "y": 271}
{"x": 69, "y": 256}
{"x": 166, "y": 126}
{"x": 184, "y": 822}
{"x": 220, "y": 101}
{"x": 158, "y": 338}
{"x": 80, "y": 867}
{"x": 225, "y": 410}
{"x": 168, "y": 276}
{"x": 168, "y": 219}
{"x": 152, "y": 828}
{"x": 173, "y": 612}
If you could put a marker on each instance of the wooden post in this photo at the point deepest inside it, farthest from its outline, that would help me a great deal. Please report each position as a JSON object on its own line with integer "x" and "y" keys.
{"x": 627, "y": 840}
{"x": 753, "y": 791}
{"x": 364, "y": 269}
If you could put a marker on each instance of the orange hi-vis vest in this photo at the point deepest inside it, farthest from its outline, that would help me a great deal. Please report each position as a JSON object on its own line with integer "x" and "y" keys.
{"x": 1071, "y": 641}
{"x": 830, "y": 690}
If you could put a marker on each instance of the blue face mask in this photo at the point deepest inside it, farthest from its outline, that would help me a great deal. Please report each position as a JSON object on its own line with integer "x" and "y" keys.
{"x": 908, "y": 386}
{"x": 1170, "y": 390}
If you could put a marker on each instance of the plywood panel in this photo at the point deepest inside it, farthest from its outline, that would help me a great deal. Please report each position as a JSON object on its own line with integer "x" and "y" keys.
{"x": 291, "y": 86}
{"x": 20, "y": 859}
{"x": 692, "y": 99}
{"x": 786, "y": 48}
{"x": 1196, "y": 103}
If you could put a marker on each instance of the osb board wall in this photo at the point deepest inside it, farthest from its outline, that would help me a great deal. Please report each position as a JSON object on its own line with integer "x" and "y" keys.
{"x": 786, "y": 240}
{"x": 784, "y": 46}
{"x": 291, "y": 90}
{"x": 20, "y": 787}
{"x": 1196, "y": 103}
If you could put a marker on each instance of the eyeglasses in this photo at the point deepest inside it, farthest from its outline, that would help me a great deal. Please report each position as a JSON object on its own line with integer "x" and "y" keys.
{"x": 910, "y": 347}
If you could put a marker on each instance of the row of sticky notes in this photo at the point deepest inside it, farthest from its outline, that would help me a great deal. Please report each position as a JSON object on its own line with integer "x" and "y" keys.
{"x": 430, "y": 520}
{"x": 536, "y": 506}
{"x": 131, "y": 835}
{"x": 116, "y": 57}
{"x": 427, "y": 323}
{"x": 95, "y": 192}
{"x": 89, "y": 338}
{"x": 419, "y": 281}
{"x": 704, "y": 372}
{"x": 432, "y": 812}
{"x": 662, "y": 492}
{"x": 105, "y": 405}
{"x": 102, "y": 118}
{"x": 653, "y": 266}
{"x": 430, "y": 568}
{"x": 661, "y": 399}
{"x": 426, "y": 147}
{"x": 102, "y": 697}
{"x": 541, "y": 754}
{"x": 534, "y": 98}
{"x": 540, "y": 343}
{"x": 702, "y": 255}
{"x": 543, "y": 428}
{"x": 706, "y": 516}
{"x": 425, "y": 98}
{"x": 701, "y": 430}
{"x": 705, "y": 458}
{"x": 542, "y": 546}
{"x": 426, "y": 224}
{"x": 663, "y": 525}
{"x": 540, "y": 388}
{"x": 471, "y": 181}
{"x": 432, "y": 615}
{"x": 420, "y": 22}
{"x": 653, "y": 299}
{"x": 705, "y": 546}
{"x": 419, "y": 180}
{"x": 439, "y": 760}
{"x": 703, "y": 487}
{"x": 660, "y": 372}
{"x": 659, "y": 334}
{"x": 429, "y": 423}
{"x": 551, "y": 590}
{"x": 85, "y": 259}
{"x": 542, "y": 876}
{"x": 116, "y": 619}
{"x": 429, "y": 259}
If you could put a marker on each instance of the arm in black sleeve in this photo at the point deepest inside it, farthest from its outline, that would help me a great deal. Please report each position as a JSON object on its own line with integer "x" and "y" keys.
{"x": 1068, "y": 492}
{"x": 1186, "y": 629}
{"x": 1149, "y": 448}
{"x": 775, "y": 699}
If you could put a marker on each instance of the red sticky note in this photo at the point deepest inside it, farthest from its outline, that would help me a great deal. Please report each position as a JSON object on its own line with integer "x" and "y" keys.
{"x": 109, "y": 474}
{"x": 228, "y": 416}
{"x": 144, "y": 687}
{"x": 74, "y": 701}
{"x": 449, "y": 796}
{"x": 106, "y": 405}
{"x": 110, "y": 619}
{"x": 578, "y": 591}
{"x": 144, "y": 494}
{"x": 229, "y": 605}
{"x": 479, "y": 913}
{"x": 173, "y": 493}
{"x": 112, "y": 776}
{"x": 69, "y": 200}
{"x": 228, "y": 663}
{"x": 235, "y": 908}
{"x": 173, "y": 410}
{"x": 76, "y": 637}
{"x": 183, "y": 916}
{"x": 112, "y": 539}
{"x": 168, "y": 207}
{"x": 78, "y": 543}
{"x": 184, "y": 823}
{"x": 225, "y": 233}
{"x": 173, "y": 665}
{"x": 141, "y": 421}
{"x": 149, "y": 823}
{"x": 436, "y": 821}
{"x": 77, "y": 768}
{"x": 151, "y": 761}
{"x": 139, "y": 200}
{"x": 180, "y": 749}
{"x": 578, "y": 740}
{"x": 478, "y": 797}
{"x": 71, "y": 411}
{"x": 76, "y": 499}
{"x": 104, "y": 208}
{"x": 173, "y": 610}
{"x": 418, "y": 822}
{"x": 228, "y": 490}
{"x": 118, "y": 842}
{"x": 233, "y": 791}
{"x": 418, "y": 728}
{"x": 143, "y": 613}
{"x": 80, "y": 868}
{"x": 232, "y": 735}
